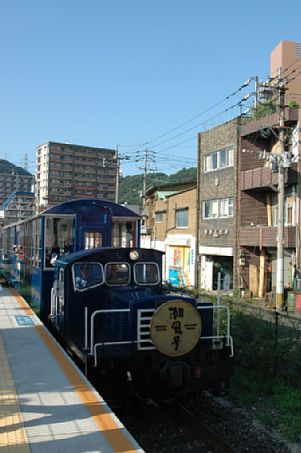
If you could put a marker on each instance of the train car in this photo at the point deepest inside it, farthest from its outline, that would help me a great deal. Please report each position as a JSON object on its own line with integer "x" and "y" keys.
{"x": 111, "y": 310}
{"x": 31, "y": 247}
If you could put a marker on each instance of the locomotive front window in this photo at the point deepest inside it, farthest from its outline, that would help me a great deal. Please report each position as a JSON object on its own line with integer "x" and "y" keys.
{"x": 146, "y": 274}
{"x": 87, "y": 276}
{"x": 117, "y": 274}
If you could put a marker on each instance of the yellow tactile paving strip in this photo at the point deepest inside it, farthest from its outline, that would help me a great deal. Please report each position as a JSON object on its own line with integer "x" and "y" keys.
{"x": 13, "y": 438}
{"x": 105, "y": 422}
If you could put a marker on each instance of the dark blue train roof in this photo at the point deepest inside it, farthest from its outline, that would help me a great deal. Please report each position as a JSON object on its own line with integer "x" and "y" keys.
{"x": 71, "y": 206}
{"x": 93, "y": 254}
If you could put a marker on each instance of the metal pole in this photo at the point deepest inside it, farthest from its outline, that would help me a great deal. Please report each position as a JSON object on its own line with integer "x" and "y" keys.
{"x": 86, "y": 348}
{"x": 144, "y": 175}
{"x": 218, "y": 303}
{"x": 117, "y": 175}
{"x": 280, "y": 231}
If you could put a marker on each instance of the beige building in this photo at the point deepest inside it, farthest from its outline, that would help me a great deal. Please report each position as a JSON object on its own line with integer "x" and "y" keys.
{"x": 170, "y": 225}
{"x": 65, "y": 171}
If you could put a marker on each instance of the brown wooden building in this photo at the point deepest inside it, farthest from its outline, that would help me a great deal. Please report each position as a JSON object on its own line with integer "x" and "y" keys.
{"x": 257, "y": 204}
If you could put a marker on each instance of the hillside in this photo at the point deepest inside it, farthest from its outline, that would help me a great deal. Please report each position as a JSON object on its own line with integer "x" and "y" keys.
{"x": 8, "y": 167}
{"x": 130, "y": 189}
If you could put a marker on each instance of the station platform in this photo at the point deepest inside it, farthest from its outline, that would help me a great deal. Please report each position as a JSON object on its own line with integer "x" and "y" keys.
{"x": 46, "y": 403}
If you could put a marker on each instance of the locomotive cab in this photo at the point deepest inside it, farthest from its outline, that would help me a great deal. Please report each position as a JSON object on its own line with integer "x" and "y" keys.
{"x": 110, "y": 305}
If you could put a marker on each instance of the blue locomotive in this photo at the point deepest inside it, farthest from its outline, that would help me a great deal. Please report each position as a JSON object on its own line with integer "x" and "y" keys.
{"x": 111, "y": 310}
{"x": 31, "y": 247}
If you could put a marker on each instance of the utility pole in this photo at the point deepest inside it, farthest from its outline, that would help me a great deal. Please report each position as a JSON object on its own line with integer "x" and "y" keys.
{"x": 117, "y": 174}
{"x": 144, "y": 174}
{"x": 280, "y": 231}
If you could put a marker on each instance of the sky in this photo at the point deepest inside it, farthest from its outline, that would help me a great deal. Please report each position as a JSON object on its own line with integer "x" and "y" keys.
{"x": 140, "y": 76}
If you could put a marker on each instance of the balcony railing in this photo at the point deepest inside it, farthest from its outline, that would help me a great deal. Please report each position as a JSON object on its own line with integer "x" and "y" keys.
{"x": 264, "y": 178}
{"x": 264, "y": 236}
{"x": 291, "y": 116}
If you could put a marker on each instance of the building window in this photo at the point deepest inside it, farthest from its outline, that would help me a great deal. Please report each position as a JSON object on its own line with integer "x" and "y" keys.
{"x": 289, "y": 210}
{"x": 159, "y": 216}
{"x": 218, "y": 160}
{"x": 226, "y": 207}
{"x": 182, "y": 217}
{"x": 214, "y": 209}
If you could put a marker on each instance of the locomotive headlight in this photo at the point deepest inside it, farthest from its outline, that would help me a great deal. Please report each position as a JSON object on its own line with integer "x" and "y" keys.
{"x": 134, "y": 255}
{"x": 175, "y": 328}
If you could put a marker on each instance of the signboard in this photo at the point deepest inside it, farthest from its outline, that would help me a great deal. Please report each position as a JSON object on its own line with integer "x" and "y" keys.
{"x": 179, "y": 266}
{"x": 175, "y": 328}
{"x": 24, "y": 321}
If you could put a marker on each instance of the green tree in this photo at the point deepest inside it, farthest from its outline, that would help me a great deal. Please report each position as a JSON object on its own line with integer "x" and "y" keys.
{"x": 131, "y": 187}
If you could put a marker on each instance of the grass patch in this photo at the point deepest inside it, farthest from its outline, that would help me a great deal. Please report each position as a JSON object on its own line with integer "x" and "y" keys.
{"x": 267, "y": 372}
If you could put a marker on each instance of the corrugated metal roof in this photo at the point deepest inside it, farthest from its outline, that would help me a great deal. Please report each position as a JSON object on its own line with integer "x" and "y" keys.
{"x": 166, "y": 193}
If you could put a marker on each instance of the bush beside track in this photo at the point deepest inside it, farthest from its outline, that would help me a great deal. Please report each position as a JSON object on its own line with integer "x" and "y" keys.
{"x": 267, "y": 350}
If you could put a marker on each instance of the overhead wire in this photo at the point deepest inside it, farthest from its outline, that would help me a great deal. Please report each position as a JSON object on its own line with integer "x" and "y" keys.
{"x": 239, "y": 103}
{"x": 148, "y": 142}
{"x": 244, "y": 85}
{"x": 140, "y": 156}
{"x": 285, "y": 69}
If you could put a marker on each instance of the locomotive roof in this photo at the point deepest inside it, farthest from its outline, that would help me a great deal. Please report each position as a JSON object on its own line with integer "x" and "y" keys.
{"x": 94, "y": 253}
{"x": 116, "y": 209}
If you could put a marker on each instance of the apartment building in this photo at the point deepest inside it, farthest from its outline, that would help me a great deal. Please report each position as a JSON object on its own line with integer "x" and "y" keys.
{"x": 258, "y": 203}
{"x": 66, "y": 171}
{"x": 237, "y": 193}
{"x": 16, "y": 179}
{"x": 217, "y": 214}
{"x": 169, "y": 225}
{"x": 18, "y": 206}
{"x": 261, "y": 153}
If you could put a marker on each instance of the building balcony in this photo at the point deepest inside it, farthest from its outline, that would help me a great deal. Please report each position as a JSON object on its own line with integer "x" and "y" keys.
{"x": 85, "y": 153}
{"x": 291, "y": 116}
{"x": 264, "y": 236}
{"x": 264, "y": 178}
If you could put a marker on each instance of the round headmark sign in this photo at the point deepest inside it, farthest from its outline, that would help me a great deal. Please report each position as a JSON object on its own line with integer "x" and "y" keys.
{"x": 175, "y": 328}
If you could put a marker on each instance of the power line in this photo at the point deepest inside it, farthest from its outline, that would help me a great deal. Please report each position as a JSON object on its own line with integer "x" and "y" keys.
{"x": 238, "y": 104}
{"x": 283, "y": 71}
{"x": 244, "y": 85}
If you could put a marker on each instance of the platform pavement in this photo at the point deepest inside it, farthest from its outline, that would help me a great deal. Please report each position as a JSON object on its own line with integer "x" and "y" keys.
{"x": 47, "y": 405}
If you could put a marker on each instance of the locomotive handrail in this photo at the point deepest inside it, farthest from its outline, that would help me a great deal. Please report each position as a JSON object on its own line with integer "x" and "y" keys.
{"x": 229, "y": 339}
{"x": 52, "y": 303}
{"x": 93, "y": 347}
{"x": 97, "y": 312}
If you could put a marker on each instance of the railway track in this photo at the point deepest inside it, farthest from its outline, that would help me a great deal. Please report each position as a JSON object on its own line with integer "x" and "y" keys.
{"x": 173, "y": 428}
{"x": 206, "y": 433}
